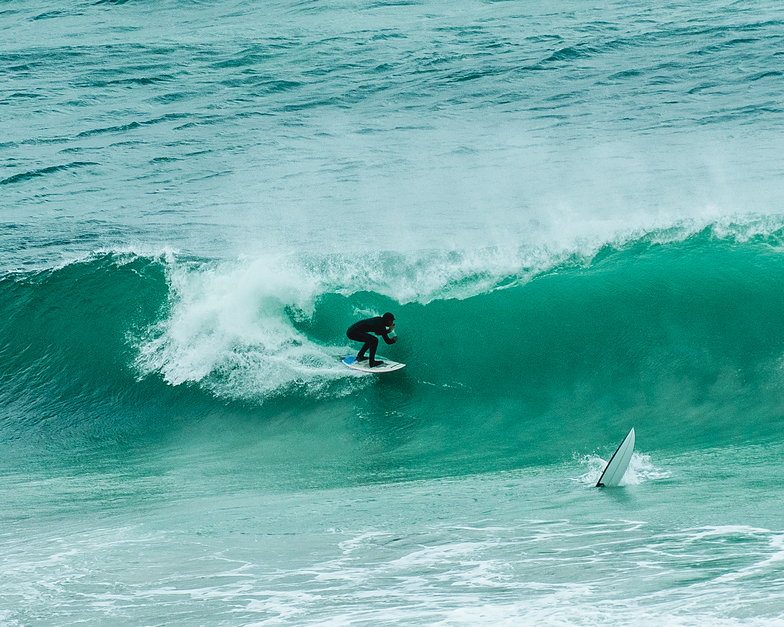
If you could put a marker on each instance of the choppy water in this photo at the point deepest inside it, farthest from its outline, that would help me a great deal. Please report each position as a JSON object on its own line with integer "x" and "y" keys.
{"x": 574, "y": 211}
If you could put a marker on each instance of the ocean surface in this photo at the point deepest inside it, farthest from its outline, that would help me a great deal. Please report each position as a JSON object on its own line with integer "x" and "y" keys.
{"x": 574, "y": 210}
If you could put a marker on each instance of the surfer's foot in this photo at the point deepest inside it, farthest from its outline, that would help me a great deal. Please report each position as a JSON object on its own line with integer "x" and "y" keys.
{"x": 376, "y": 363}
{"x": 361, "y": 358}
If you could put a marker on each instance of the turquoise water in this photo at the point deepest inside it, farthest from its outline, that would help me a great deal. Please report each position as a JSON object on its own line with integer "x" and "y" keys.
{"x": 573, "y": 209}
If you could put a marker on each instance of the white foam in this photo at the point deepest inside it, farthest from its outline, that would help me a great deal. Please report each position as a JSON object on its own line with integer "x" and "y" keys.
{"x": 424, "y": 276}
{"x": 229, "y": 327}
{"x": 640, "y": 470}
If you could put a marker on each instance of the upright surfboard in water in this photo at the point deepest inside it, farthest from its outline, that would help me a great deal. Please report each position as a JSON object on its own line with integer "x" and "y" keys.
{"x": 619, "y": 462}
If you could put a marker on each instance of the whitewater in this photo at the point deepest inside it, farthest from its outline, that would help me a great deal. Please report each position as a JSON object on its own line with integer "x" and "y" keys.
{"x": 573, "y": 210}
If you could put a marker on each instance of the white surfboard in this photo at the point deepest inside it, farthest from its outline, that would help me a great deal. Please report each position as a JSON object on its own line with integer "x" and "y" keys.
{"x": 619, "y": 462}
{"x": 364, "y": 366}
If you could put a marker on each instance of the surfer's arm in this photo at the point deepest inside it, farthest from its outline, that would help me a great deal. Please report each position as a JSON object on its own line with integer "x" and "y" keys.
{"x": 380, "y": 329}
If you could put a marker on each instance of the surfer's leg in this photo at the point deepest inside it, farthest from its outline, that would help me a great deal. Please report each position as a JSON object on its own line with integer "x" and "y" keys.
{"x": 371, "y": 344}
{"x": 373, "y": 362}
{"x": 368, "y": 342}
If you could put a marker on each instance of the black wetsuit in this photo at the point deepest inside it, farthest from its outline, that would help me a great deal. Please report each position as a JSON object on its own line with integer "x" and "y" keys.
{"x": 360, "y": 332}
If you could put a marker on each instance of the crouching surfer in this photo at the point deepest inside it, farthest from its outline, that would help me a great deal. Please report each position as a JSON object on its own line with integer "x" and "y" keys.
{"x": 360, "y": 332}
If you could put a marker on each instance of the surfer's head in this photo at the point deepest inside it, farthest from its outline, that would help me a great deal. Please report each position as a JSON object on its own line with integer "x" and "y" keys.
{"x": 389, "y": 319}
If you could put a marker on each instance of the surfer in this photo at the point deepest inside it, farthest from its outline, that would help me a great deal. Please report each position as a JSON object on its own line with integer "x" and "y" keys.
{"x": 360, "y": 332}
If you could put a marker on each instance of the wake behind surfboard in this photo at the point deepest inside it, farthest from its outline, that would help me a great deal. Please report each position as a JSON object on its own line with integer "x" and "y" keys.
{"x": 364, "y": 366}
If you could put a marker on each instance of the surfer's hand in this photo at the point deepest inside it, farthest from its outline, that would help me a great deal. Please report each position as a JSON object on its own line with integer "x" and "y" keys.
{"x": 394, "y": 339}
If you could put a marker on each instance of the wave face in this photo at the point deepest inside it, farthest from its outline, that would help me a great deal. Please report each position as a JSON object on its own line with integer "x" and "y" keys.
{"x": 64, "y": 343}
{"x": 506, "y": 366}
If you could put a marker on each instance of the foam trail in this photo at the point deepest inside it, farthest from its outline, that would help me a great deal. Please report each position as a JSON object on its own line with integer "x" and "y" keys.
{"x": 230, "y": 329}
{"x": 641, "y": 469}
